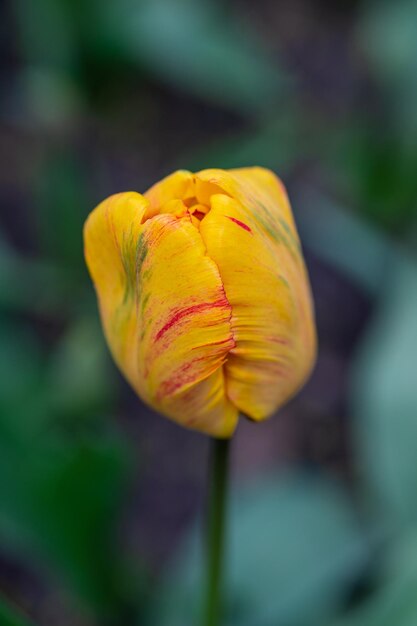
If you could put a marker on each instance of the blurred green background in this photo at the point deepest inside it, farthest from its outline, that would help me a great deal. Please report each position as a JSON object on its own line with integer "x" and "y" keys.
{"x": 101, "y": 500}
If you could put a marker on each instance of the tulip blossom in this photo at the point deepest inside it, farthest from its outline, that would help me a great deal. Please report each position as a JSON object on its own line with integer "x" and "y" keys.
{"x": 204, "y": 296}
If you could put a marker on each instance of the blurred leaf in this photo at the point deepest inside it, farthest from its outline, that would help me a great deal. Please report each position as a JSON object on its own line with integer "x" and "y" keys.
{"x": 58, "y": 502}
{"x": 43, "y": 100}
{"x": 24, "y": 390}
{"x": 295, "y": 550}
{"x": 343, "y": 239}
{"x": 395, "y": 601}
{"x": 62, "y": 206}
{"x": 9, "y": 616}
{"x": 375, "y": 172}
{"x": 45, "y": 33}
{"x": 21, "y": 364}
{"x": 385, "y": 398}
{"x": 66, "y": 392}
{"x": 32, "y": 285}
{"x": 193, "y": 45}
{"x": 61, "y": 486}
{"x": 388, "y": 34}
{"x": 79, "y": 377}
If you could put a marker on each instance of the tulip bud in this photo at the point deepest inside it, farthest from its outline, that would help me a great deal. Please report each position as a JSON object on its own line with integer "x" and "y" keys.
{"x": 204, "y": 296}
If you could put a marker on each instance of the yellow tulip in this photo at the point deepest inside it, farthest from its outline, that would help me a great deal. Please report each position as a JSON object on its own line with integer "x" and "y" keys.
{"x": 204, "y": 295}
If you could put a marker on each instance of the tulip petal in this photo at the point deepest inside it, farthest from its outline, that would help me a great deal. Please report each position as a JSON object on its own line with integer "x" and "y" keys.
{"x": 176, "y": 186}
{"x": 164, "y": 310}
{"x": 110, "y": 233}
{"x": 188, "y": 333}
{"x": 250, "y": 234}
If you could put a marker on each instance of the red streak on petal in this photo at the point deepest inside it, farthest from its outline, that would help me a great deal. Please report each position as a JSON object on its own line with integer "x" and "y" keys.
{"x": 181, "y": 377}
{"x": 280, "y": 340}
{"x": 191, "y": 310}
{"x": 215, "y": 343}
{"x": 239, "y": 223}
{"x": 171, "y": 385}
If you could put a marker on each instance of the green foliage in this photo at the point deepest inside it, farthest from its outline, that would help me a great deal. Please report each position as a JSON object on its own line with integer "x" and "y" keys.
{"x": 80, "y": 380}
{"x": 197, "y": 47}
{"x": 388, "y": 36}
{"x": 62, "y": 204}
{"x": 62, "y": 476}
{"x": 375, "y": 171}
{"x": 9, "y": 616}
{"x": 58, "y": 504}
{"x": 34, "y": 21}
{"x": 385, "y": 398}
{"x": 295, "y": 547}
{"x": 34, "y": 285}
{"x": 330, "y": 231}
{"x": 395, "y": 601}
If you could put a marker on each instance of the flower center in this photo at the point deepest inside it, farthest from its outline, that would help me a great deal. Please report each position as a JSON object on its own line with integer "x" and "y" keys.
{"x": 190, "y": 207}
{"x": 188, "y": 198}
{"x": 196, "y": 208}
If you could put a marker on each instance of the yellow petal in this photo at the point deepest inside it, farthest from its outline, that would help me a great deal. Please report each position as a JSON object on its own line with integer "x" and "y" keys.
{"x": 114, "y": 251}
{"x": 250, "y": 234}
{"x": 176, "y": 186}
{"x": 164, "y": 310}
{"x": 109, "y": 234}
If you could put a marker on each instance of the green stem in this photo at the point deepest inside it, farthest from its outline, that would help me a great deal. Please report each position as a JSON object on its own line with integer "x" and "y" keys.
{"x": 216, "y": 530}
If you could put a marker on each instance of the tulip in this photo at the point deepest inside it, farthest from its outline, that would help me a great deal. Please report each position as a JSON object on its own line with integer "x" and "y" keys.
{"x": 204, "y": 296}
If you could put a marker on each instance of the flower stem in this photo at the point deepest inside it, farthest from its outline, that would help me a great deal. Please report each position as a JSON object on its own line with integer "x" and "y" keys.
{"x": 216, "y": 530}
